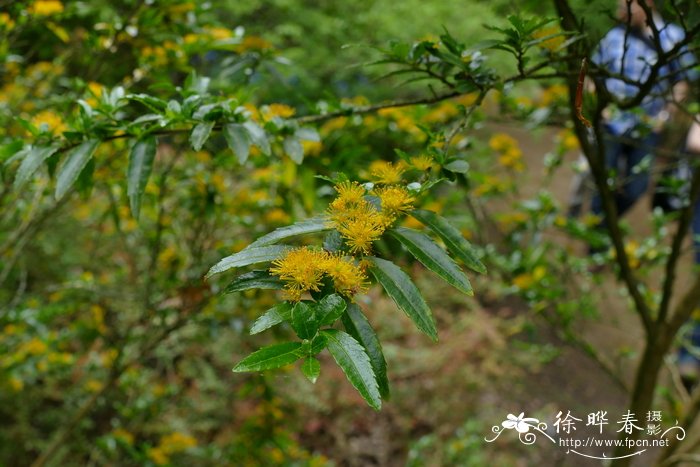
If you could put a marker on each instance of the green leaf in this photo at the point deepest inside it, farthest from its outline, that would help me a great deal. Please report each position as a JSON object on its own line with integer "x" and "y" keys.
{"x": 351, "y": 357}
{"x": 425, "y": 250}
{"x": 308, "y": 134}
{"x": 238, "y": 139}
{"x": 273, "y": 356}
{"x": 358, "y": 327}
{"x": 258, "y": 279}
{"x": 315, "y": 224}
{"x": 330, "y": 308}
{"x": 272, "y": 317}
{"x": 304, "y": 320}
{"x": 35, "y": 156}
{"x": 317, "y": 344}
{"x": 9, "y": 152}
{"x": 453, "y": 239}
{"x": 258, "y": 137}
{"x": 153, "y": 103}
{"x": 294, "y": 149}
{"x": 247, "y": 257}
{"x": 74, "y": 164}
{"x": 405, "y": 294}
{"x": 143, "y": 152}
{"x": 458, "y": 166}
{"x": 200, "y": 134}
{"x": 311, "y": 369}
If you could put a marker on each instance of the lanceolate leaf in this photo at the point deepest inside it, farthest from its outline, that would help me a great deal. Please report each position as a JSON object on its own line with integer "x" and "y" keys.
{"x": 273, "y": 356}
{"x": 294, "y": 149}
{"x": 31, "y": 162}
{"x": 304, "y": 320}
{"x": 238, "y": 139}
{"x": 351, "y": 357}
{"x": 200, "y": 134}
{"x": 453, "y": 239}
{"x": 316, "y": 224}
{"x": 357, "y": 326}
{"x": 330, "y": 308}
{"x": 74, "y": 164}
{"x": 258, "y": 136}
{"x": 248, "y": 256}
{"x": 141, "y": 159}
{"x": 272, "y": 317}
{"x": 425, "y": 250}
{"x": 259, "y": 279}
{"x": 405, "y": 294}
{"x": 311, "y": 369}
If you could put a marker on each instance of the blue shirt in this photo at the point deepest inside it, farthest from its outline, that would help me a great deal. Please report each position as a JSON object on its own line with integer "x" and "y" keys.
{"x": 628, "y": 53}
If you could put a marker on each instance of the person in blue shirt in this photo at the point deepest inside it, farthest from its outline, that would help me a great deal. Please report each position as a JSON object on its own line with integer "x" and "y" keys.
{"x": 628, "y": 52}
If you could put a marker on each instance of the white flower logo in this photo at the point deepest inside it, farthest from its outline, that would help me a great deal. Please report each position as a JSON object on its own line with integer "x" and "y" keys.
{"x": 521, "y": 424}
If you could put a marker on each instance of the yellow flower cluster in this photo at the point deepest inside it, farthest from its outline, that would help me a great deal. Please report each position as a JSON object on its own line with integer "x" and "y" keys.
{"x": 422, "y": 162}
{"x": 358, "y": 221}
{"x": 304, "y": 269}
{"x": 253, "y": 43}
{"x": 552, "y": 94}
{"x": 50, "y": 121}
{"x": 527, "y": 280}
{"x": 45, "y": 7}
{"x": 277, "y": 110}
{"x": 386, "y": 172}
{"x": 395, "y": 200}
{"x": 510, "y": 154}
{"x": 6, "y": 21}
{"x": 567, "y": 140}
{"x": 170, "y": 444}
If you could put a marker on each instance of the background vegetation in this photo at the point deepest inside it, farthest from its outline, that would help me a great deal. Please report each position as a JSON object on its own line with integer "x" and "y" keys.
{"x": 114, "y": 350}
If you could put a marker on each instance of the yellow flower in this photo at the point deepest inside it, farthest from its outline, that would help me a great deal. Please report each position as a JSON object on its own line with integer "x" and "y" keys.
{"x": 93, "y": 385}
{"x": 568, "y": 140}
{"x": 362, "y": 229}
{"x": 348, "y": 278}
{"x": 34, "y": 346}
{"x": 395, "y": 200}
{"x": 45, "y": 7}
{"x": 490, "y": 185}
{"x": 422, "y": 162}
{"x": 301, "y": 269}
{"x": 523, "y": 101}
{"x": 255, "y": 43}
{"x": 512, "y": 159}
{"x": 16, "y": 384}
{"x": 501, "y": 142}
{"x": 350, "y": 195}
{"x": 357, "y": 221}
{"x": 277, "y": 216}
{"x": 6, "y": 21}
{"x": 312, "y": 148}
{"x": 277, "y": 110}
{"x": 218, "y": 33}
{"x": 386, "y": 172}
{"x": 526, "y": 280}
{"x": 49, "y": 121}
{"x": 523, "y": 281}
{"x": 554, "y": 93}
{"x": 467, "y": 100}
{"x": 158, "y": 456}
{"x": 553, "y": 43}
{"x": 177, "y": 442}
{"x": 333, "y": 124}
{"x": 441, "y": 113}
